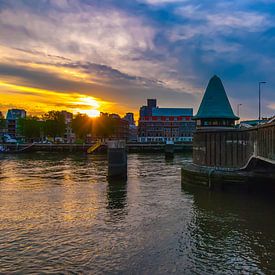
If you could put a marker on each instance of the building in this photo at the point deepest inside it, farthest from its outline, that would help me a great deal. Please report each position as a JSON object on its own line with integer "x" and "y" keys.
{"x": 146, "y": 111}
{"x": 121, "y": 127}
{"x": 2, "y": 125}
{"x": 132, "y": 127}
{"x": 215, "y": 109}
{"x": 130, "y": 118}
{"x": 69, "y": 136}
{"x": 13, "y": 115}
{"x": 163, "y": 124}
{"x": 110, "y": 126}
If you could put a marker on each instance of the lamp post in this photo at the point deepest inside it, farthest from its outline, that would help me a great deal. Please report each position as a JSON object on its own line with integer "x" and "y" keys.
{"x": 238, "y": 109}
{"x": 260, "y": 83}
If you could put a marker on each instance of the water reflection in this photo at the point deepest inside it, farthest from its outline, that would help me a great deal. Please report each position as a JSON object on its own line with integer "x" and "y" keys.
{"x": 232, "y": 231}
{"x": 117, "y": 197}
{"x": 59, "y": 214}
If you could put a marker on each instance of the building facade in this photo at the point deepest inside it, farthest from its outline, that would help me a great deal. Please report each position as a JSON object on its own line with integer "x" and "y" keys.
{"x": 69, "y": 136}
{"x": 2, "y": 124}
{"x": 132, "y": 127}
{"x": 13, "y": 115}
{"x": 110, "y": 126}
{"x": 121, "y": 127}
{"x": 165, "y": 124}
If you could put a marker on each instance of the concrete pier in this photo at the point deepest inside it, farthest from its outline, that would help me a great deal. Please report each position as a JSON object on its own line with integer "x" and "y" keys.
{"x": 117, "y": 159}
{"x": 233, "y": 158}
{"x": 169, "y": 149}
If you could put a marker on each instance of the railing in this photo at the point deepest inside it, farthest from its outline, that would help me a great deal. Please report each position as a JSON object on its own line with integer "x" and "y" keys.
{"x": 232, "y": 148}
{"x": 95, "y": 147}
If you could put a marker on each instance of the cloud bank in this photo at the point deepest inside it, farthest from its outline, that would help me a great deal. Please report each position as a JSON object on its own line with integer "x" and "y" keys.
{"x": 121, "y": 53}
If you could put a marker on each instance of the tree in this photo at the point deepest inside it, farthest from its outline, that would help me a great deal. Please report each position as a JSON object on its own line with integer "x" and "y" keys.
{"x": 104, "y": 126}
{"x": 2, "y": 122}
{"x": 82, "y": 126}
{"x": 54, "y": 124}
{"x": 30, "y": 127}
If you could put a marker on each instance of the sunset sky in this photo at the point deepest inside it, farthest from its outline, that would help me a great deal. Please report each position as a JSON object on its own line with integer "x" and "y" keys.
{"x": 111, "y": 55}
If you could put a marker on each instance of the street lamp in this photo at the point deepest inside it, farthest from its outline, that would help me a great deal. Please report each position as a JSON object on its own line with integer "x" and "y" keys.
{"x": 238, "y": 109}
{"x": 260, "y": 83}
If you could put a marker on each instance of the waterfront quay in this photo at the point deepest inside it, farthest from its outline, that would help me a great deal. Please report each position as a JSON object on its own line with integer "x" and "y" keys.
{"x": 228, "y": 158}
{"x": 225, "y": 156}
{"x": 233, "y": 148}
{"x": 131, "y": 147}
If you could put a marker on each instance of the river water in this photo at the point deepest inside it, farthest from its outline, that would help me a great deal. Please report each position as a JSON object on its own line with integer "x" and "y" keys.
{"x": 59, "y": 214}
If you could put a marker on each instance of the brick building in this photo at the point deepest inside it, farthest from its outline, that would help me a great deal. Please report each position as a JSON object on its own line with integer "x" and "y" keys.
{"x": 163, "y": 124}
{"x": 110, "y": 126}
{"x": 121, "y": 127}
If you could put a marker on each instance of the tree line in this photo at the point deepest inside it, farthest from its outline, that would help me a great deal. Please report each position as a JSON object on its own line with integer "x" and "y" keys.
{"x": 2, "y": 122}
{"x": 52, "y": 125}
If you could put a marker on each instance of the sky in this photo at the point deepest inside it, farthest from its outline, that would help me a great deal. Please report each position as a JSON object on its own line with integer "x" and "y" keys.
{"x": 111, "y": 55}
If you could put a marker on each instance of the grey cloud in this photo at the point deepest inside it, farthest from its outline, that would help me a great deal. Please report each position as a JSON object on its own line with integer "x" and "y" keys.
{"x": 123, "y": 89}
{"x": 136, "y": 50}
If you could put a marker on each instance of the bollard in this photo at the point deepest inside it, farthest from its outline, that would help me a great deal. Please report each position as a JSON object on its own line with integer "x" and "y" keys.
{"x": 169, "y": 149}
{"x": 117, "y": 159}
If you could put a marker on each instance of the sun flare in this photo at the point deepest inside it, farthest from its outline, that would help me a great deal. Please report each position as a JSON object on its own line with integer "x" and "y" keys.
{"x": 91, "y": 104}
{"x": 91, "y": 113}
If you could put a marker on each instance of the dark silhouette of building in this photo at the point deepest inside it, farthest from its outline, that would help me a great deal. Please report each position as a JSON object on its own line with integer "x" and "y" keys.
{"x": 121, "y": 127}
{"x": 110, "y": 126}
{"x": 132, "y": 127}
{"x": 130, "y": 118}
{"x": 147, "y": 110}
{"x": 69, "y": 136}
{"x": 13, "y": 115}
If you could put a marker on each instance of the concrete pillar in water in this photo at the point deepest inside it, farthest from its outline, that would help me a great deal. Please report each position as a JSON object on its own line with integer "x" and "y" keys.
{"x": 169, "y": 149}
{"x": 117, "y": 159}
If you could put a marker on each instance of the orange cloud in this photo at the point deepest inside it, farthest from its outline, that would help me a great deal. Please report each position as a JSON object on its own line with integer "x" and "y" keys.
{"x": 37, "y": 101}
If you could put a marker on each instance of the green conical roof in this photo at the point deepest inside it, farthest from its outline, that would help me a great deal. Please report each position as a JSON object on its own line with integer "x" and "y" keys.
{"x": 215, "y": 103}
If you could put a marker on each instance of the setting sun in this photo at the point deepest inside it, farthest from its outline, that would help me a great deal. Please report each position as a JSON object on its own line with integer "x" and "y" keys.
{"x": 91, "y": 113}
{"x": 91, "y": 104}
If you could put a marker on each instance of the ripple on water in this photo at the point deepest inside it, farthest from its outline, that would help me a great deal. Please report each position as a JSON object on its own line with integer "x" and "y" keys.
{"x": 58, "y": 213}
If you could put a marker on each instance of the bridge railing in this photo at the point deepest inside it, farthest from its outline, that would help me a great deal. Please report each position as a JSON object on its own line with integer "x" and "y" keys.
{"x": 232, "y": 148}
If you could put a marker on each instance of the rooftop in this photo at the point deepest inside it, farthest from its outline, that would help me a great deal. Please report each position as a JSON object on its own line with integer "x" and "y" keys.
{"x": 215, "y": 103}
{"x": 15, "y": 113}
{"x": 172, "y": 112}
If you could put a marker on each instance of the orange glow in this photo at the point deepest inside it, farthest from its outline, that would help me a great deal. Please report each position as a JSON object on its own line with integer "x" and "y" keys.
{"x": 88, "y": 101}
{"x": 90, "y": 113}
{"x": 18, "y": 91}
{"x": 37, "y": 101}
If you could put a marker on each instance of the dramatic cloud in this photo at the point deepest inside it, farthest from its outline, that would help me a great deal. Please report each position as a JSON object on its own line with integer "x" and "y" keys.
{"x": 119, "y": 53}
